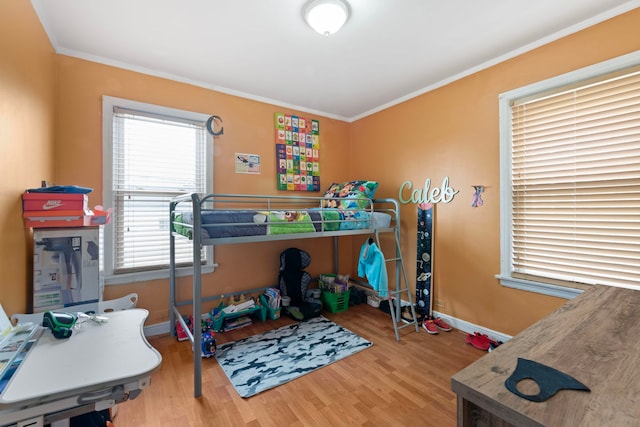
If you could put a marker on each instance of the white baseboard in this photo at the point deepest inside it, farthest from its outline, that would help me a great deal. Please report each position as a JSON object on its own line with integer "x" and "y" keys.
{"x": 467, "y": 327}
{"x": 159, "y": 328}
{"x": 462, "y": 325}
{"x": 470, "y": 328}
{"x": 156, "y": 329}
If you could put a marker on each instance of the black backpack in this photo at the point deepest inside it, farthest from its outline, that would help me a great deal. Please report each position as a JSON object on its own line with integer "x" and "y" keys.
{"x": 294, "y": 281}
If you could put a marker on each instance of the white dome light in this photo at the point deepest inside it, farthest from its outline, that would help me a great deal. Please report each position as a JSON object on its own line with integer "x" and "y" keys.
{"x": 326, "y": 16}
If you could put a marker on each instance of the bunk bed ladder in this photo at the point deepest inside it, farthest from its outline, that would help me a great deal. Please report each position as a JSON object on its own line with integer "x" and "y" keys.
{"x": 401, "y": 288}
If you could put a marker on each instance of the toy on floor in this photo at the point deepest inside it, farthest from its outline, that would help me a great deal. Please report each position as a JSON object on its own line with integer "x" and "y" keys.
{"x": 208, "y": 343}
{"x": 181, "y": 334}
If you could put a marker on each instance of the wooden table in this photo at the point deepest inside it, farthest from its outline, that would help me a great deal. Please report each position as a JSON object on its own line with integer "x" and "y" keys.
{"x": 595, "y": 338}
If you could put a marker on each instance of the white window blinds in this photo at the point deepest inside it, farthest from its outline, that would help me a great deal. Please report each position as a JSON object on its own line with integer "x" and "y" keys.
{"x": 576, "y": 184}
{"x": 155, "y": 157}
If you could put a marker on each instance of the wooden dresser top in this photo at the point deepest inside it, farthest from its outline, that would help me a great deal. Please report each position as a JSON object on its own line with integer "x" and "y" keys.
{"x": 595, "y": 338}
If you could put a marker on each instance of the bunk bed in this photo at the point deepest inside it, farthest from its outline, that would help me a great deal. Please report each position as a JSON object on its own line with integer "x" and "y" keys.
{"x": 220, "y": 219}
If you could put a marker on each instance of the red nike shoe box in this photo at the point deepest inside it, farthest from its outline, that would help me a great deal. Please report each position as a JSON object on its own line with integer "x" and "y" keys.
{"x": 48, "y": 202}
{"x": 56, "y": 218}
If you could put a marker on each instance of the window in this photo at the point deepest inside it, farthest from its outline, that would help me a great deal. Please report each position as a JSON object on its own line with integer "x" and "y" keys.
{"x": 151, "y": 154}
{"x": 570, "y": 181}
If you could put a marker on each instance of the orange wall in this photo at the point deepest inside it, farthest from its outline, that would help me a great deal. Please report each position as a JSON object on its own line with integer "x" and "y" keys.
{"x": 453, "y": 131}
{"x": 248, "y": 128}
{"x": 27, "y": 93}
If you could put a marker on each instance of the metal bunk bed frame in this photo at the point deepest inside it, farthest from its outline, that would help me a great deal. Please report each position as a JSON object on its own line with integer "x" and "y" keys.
{"x": 197, "y": 203}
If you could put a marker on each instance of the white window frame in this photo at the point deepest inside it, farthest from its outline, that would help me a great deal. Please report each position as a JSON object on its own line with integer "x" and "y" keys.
{"x": 505, "y": 99}
{"x": 108, "y": 104}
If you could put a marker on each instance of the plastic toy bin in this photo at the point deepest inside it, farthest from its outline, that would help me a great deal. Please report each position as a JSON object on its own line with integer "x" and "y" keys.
{"x": 273, "y": 313}
{"x": 336, "y": 302}
{"x": 219, "y": 318}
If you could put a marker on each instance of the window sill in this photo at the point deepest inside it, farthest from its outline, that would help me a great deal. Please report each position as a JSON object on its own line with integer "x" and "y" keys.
{"x": 146, "y": 276}
{"x": 538, "y": 287}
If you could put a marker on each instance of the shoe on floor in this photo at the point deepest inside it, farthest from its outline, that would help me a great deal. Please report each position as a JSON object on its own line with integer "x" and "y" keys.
{"x": 493, "y": 345}
{"x": 406, "y": 315}
{"x": 430, "y": 326}
{"x": 441, "y": 324}
{"x": 479, "y": 341}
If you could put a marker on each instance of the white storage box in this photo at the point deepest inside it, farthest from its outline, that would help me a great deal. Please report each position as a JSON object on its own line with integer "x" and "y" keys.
{"x": 66, "y": 267}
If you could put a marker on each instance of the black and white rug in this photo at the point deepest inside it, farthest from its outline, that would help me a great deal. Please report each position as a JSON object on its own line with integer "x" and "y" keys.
{"x": 267, "y": 360}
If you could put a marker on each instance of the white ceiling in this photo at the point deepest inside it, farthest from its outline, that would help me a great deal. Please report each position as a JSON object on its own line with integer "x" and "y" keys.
{"x": 388, "y": 51}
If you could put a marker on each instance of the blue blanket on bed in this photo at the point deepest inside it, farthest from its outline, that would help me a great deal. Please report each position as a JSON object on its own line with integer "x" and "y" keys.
{"x": 238, "y": 223}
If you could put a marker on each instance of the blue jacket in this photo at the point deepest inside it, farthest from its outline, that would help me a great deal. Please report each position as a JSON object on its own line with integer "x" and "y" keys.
{"x": 372, "y": 266}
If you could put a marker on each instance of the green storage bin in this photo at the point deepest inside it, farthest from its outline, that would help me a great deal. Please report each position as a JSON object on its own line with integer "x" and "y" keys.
{"x": 274, "y": 313}
{"x": 336, "y": 302}
{"x": 218, "y": 319}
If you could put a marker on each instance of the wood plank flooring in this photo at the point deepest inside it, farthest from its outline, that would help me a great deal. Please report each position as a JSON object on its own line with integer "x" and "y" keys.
{"x": 392, "y": 383}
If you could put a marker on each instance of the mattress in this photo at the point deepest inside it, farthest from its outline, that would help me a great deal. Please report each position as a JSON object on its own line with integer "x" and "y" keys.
{"x": 239, "y": 223}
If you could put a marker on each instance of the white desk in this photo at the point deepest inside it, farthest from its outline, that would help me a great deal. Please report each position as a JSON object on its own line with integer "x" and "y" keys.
{"x": 98, "y": 366}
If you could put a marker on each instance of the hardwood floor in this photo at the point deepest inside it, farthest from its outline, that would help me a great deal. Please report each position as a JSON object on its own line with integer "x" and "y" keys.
{"x": 392, "y": 383}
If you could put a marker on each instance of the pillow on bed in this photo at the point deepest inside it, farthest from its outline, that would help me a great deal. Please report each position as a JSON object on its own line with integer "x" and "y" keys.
{"x": 357, "y": 192}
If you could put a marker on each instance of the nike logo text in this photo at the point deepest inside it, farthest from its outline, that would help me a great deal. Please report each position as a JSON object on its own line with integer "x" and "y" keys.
{"x": 51, "y": 204}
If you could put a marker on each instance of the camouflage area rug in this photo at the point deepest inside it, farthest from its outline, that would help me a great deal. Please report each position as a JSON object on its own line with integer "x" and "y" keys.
{"x": 267, "y": 360}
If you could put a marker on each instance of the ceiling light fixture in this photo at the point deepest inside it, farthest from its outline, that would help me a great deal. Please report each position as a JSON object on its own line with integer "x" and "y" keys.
{"x": 326, "y": 16}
